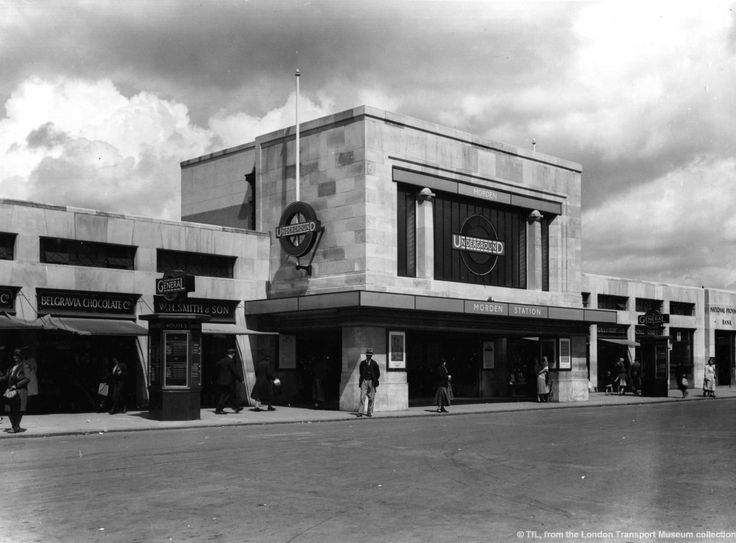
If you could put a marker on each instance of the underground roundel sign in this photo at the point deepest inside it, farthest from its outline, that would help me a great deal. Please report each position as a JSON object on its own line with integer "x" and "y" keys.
{"x": 298, "y": 228}
{"x": 478, "y": 244}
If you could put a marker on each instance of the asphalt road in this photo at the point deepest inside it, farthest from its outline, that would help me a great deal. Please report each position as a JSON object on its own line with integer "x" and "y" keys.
{"x": 587, "y": 474}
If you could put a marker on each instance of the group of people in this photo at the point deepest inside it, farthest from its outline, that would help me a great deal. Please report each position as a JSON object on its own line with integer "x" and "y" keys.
{"x": 19, "y": 384}
{"x": 623, "y": 378}
{"x": 229, "y": 381}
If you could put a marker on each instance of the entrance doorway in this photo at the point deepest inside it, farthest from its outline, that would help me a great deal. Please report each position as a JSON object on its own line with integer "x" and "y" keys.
{"x": 482, "y": 366}
{"x": 319, "y": 365}
{"x": 463, "y": 355}
{"x": 724, "y": 356}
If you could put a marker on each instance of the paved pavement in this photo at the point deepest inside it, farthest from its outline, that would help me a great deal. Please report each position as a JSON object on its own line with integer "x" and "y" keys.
{"x": 93, "y": 423}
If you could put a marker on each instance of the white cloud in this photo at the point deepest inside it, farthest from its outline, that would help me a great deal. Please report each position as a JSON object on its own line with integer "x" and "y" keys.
{"x": 237, "y": 128}
{"x": 678, "y": 228}
{"x": 83, "y": 143}
{"x": 644, "y": 69}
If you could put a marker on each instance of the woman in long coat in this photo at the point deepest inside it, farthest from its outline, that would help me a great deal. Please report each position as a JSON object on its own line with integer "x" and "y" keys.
{"x": 542, "y": 376}
{"x": 709, "y": 379}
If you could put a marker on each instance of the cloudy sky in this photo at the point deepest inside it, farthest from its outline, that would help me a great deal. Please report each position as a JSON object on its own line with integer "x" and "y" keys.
{"x": 101, "y": 101}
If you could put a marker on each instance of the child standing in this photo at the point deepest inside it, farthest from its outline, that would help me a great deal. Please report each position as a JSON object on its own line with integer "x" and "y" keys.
{"x": 682, "y": 384}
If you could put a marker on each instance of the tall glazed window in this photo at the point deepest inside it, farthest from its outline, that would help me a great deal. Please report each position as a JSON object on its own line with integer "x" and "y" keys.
{"x": 407, "y": 231}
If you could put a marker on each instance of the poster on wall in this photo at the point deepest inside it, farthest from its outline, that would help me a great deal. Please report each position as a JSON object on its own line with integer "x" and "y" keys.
{"x": 565, "y": 362}
{"x": 396, "y": 350}
{"x": 489, "y": 355}
{"x": 175, "y": 362}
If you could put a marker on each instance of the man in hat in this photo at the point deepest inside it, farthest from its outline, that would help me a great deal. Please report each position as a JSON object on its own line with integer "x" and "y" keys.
{"x": 225, "y": 380}
{"x": 368, "y": 382}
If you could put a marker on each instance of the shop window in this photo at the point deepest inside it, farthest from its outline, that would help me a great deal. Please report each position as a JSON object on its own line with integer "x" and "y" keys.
{"x": 682, "y": 308}
{"x": 87, "y": 253}
{"x": 7, "y": 246}
{"x": 407, "y": 231}
{"x": 645, "y": 304}
{"x": 195, "y": 263}
{"x": 608, "y": 301}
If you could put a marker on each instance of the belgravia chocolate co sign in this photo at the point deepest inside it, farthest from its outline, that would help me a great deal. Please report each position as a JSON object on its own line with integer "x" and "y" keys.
{"x": 479, "y": 245}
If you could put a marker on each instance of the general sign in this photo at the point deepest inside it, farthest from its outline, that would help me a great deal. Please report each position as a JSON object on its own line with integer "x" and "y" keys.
{"x": 173, "y": 284}
{"x": 653, "y": 319}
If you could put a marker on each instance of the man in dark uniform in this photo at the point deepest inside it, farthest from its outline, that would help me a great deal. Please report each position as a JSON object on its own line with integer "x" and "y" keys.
{"x": 117, "y": 382}
{"x": 368, "y": 382}
{"x": 226, "y": 379}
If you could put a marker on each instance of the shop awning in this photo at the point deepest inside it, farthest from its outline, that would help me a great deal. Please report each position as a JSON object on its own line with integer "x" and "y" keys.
{"x": 11, "y": 322}
{"x": 103, "y": 327}
{"x": 48, "y": 322}
{"x": 620, "y": 342}
{"x": 225, "y": 328}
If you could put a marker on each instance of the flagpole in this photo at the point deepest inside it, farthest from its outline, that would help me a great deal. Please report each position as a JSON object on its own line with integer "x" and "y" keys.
{"x": 297, "y": 133}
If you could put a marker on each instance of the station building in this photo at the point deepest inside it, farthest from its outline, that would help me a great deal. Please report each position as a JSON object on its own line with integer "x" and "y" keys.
{"x": 419, "y": 241}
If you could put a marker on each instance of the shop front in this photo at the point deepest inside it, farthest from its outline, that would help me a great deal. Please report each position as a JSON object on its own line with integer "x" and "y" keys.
{"x": 73, "y": 342}
{"x": 488, "y": 346}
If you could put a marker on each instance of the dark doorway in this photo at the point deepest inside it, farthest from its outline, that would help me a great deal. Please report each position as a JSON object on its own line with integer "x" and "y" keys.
{"x": 319, "y": 365}
{"x": 464, "y": 362}
{"x": 724, "y": 357}
{"x": 654, "y": 365}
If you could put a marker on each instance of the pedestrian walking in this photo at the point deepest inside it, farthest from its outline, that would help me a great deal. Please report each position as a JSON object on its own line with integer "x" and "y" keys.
{"x": 117, "y": 382}
{"x": 682, "y": 384}
{"x": 30, "y": 367}
{"x": 15, "y": 392}
{"x": 709, "y": 378}
{"x": 636, "y": 378}
{"x": 622, "y": 377}
{"x": 262, "y": 392}
{"x": 442, "y": 396}
{"x": 226, "y": 379}
{"x": 369, "y": 374}
{"x": 542, "y": 371}
{"x": 319, "y": 377}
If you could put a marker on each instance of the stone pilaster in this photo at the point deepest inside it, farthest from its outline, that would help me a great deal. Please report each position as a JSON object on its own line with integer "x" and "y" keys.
{"x": 393, "y": 392}
{"x": 425, "y": 234}
{"x": 534, "y": 251}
